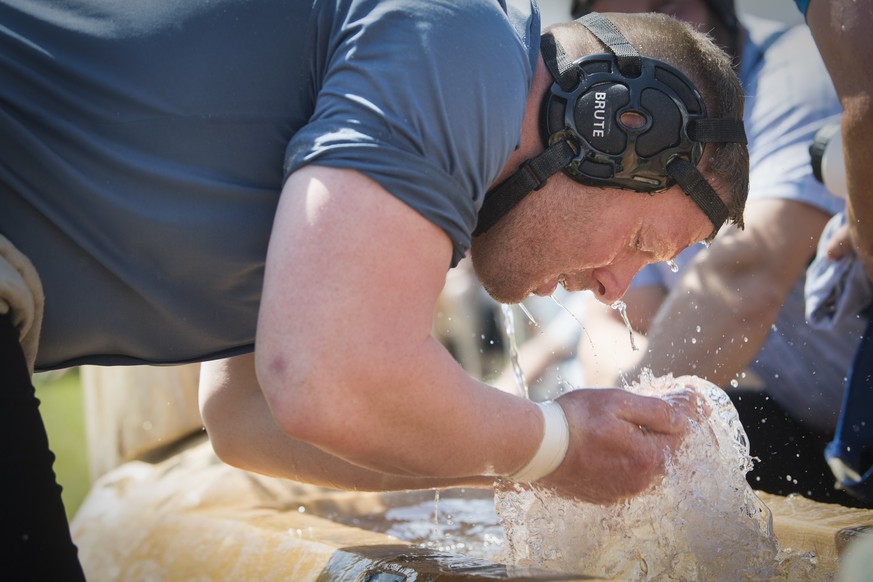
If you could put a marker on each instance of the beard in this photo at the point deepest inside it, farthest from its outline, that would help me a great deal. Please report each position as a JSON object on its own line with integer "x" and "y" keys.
{"x": 504, "y": 279}
{"x": 503, "y": 291}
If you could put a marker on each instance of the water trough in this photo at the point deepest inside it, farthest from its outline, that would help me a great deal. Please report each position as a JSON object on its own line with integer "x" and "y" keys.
{"x": 178, "y": 513}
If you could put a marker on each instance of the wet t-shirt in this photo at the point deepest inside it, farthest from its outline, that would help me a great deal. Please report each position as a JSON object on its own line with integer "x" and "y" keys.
{"x": 143, "y": 146}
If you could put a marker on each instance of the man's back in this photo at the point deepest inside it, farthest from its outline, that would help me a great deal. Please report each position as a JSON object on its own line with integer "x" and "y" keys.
{"x": 145, "y": 147}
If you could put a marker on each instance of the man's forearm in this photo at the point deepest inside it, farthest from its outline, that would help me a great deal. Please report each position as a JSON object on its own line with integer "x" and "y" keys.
{"x": 244, "y": 434}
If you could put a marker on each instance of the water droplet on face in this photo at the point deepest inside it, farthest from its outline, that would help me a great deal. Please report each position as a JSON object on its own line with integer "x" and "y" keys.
{"x": 734, "y": 383}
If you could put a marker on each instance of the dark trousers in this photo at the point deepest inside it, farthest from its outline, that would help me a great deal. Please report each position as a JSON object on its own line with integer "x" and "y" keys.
{"x": 36, "y": 543}
{"x": 790, "y": 454}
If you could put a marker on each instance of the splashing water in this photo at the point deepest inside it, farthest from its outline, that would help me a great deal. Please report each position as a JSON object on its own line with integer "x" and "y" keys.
{"x": 621, "y": 306}
{"x": 509, "y": 332}
{"x": 528, "y": 314}
{"x": 673, "y": 266}
{"x": 702, "y": 521}
{"x": 573, "y": 315}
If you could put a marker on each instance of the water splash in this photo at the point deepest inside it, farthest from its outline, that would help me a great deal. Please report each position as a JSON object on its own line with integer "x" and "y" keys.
{"x": 573, "y": 315}
{"x": 437, "y": 532}
{"x": 621, "y": 306}
{"x": 702, "y": 521}
{"x": 528, "y": 314}
{"x": 673, "y": 266}
{"x": 509, "y": 332}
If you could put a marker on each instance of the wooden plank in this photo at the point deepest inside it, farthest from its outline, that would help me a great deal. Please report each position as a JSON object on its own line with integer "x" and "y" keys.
{"x": 802, "y": 526}
{"x": 134, "y": 410}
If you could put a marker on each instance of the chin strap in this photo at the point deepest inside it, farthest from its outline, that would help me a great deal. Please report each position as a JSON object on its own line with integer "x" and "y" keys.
{"x": 532, "y": 175}
{"x": 695, "y": 185}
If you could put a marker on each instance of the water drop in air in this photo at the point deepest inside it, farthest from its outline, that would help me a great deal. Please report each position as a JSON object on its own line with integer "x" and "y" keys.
{"x": 509, "y": 332}
{"x": 622, "y": 309}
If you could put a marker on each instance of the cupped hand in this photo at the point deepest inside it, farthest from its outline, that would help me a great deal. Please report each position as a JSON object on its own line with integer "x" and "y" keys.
{"x": 619, "y": 442}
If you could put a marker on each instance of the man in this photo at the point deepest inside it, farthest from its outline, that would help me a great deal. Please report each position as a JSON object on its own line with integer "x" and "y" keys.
{"x": 157, "y": 149}
{"x": 840, "y": 32}
{"x": 736, "y": 310}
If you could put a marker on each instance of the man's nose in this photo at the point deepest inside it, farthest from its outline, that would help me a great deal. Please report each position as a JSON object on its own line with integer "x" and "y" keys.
{"x": 612, "y": 284}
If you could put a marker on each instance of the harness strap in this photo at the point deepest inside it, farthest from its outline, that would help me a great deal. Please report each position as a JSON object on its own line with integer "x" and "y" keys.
{"x": 696, "y": 186}
{"x": 561, "y": 68}
{"x": 717, "y": 130}
{"x": 532, "y": 175}
{"x": 629, "y": 62}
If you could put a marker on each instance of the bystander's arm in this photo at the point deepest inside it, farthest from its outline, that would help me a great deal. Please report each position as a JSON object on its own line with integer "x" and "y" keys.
{"x": 717, "y": 317}
{"x": 841, "y": 29}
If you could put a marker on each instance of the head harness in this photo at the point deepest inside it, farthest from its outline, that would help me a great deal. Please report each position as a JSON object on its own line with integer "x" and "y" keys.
{"x": 724, "y": 10}
{"x": 618, "y": 120}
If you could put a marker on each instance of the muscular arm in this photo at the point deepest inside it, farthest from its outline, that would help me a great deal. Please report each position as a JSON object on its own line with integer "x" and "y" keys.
{"x": 242, "y": 433}
{"x": 353, "y": 392}
{"x": 344, "y": 351}
{"x": 841, "y": 29}
{"x": 733, "y": 293}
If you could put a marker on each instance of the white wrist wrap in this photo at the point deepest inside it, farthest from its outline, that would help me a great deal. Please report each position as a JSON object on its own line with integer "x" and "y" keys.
{"x": 553, "y": 447}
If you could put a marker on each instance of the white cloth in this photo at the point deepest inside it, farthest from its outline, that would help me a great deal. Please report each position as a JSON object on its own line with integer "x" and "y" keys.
{"x": 836, "y": 290}
{"x": 21, "y": 297}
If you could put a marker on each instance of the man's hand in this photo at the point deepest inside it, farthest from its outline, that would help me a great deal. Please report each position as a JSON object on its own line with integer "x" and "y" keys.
{"x": 619, "y": 442}
{"x": 842, "y": 244}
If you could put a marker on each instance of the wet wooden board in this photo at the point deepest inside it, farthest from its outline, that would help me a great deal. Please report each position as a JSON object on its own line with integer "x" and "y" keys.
{"x": 824, "y": 528}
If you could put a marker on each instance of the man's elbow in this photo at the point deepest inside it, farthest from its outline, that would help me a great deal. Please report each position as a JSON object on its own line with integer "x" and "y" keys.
{"x": 302, "y": 401}
{"x": 224, "y": 436}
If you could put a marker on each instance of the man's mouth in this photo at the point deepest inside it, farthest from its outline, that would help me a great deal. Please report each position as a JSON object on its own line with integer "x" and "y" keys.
{"x": 548, "y": 286}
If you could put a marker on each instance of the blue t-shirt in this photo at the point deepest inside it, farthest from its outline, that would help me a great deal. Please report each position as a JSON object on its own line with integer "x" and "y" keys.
{"x": 802, "y": 5}
{"x": 789, "y": 96}
{"x": 143, "y": 146}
